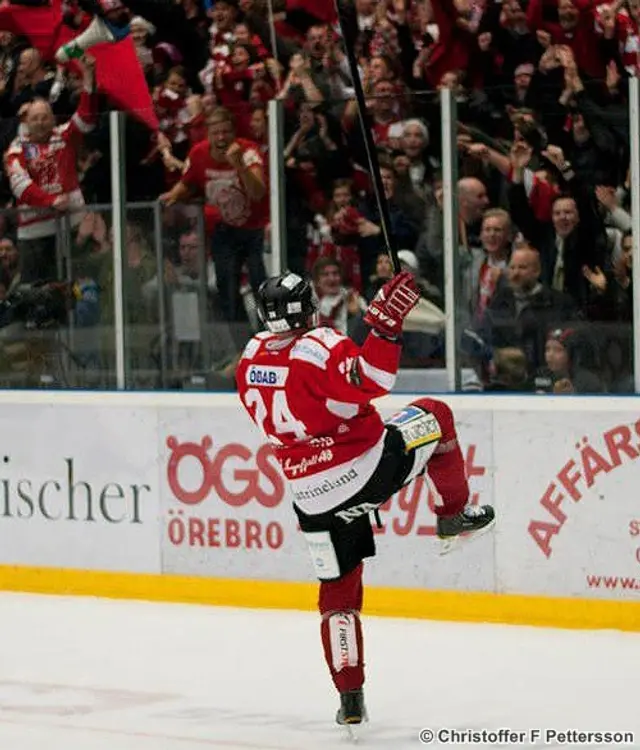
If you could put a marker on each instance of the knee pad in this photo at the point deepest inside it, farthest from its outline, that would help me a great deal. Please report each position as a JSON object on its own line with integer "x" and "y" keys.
{"x": 417, "y": 425}
{"x": 442, "y": 413}
{"x": 421, "y": 434}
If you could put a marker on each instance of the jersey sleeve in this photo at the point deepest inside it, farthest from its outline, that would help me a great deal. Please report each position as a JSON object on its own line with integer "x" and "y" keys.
{"x": 192, "y": 172}
{"x": 84, "y": 119}
{"x": 343, "y": 371}
{"x": 22, "y": 185}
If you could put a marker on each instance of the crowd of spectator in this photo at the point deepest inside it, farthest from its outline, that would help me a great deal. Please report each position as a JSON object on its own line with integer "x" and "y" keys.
{"x": 541, "y": 92}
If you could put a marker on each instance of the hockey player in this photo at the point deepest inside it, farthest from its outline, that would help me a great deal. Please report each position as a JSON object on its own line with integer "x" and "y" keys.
{"x": 310, "y": 390}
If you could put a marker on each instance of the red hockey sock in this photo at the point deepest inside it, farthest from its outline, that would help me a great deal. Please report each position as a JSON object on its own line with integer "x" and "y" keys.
{"x": 340, "y": 604}
{"x": 446, "y": 468}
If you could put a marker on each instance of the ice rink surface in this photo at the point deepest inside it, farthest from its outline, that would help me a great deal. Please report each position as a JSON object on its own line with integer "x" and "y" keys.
{"x": 87, "y": 674}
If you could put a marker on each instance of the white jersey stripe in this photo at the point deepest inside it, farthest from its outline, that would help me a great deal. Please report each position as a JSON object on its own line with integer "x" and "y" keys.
{"x": 380, "y": 377}
{"x": 342, "y": 409}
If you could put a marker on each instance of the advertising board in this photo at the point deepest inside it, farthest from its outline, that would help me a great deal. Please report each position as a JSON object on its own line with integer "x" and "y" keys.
{"x": 78, "y": 487}
{"x": 186, "y": 486}
{"x": 567, "y": 489}
{"x": 225, "y": 508}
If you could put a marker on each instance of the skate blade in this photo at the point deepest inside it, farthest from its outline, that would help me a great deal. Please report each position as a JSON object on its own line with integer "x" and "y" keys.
{"x": 454, "y": 543}
{"x": 352, "y": 734}
{"x": 354, "y": 731}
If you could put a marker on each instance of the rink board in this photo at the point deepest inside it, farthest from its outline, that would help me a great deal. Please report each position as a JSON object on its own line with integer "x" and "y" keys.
{"x": 174, "y": 497}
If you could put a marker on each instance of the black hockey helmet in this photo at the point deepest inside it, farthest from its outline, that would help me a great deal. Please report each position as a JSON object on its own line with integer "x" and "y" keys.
{"x": 286, "y": 303}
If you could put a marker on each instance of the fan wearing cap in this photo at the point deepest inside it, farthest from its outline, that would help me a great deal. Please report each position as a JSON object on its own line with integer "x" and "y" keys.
{"x": 309, "y": 389}
{"x": 522, "y": 77}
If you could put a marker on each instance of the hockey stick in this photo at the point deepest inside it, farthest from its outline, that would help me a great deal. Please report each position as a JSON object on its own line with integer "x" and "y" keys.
{"x": 274, "y": 39}
{"x": 372, "y": 154}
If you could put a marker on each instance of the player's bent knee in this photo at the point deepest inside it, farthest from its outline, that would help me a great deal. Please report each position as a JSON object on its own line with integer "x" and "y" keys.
{"x": 421, "y": 433}
{"x": 442, "y": 412}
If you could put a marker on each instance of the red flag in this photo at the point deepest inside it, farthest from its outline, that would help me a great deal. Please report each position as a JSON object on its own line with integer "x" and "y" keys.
{"x": 118, "y": 72}
{"x": 323, "y": 10}
{"x": 120, "y": 77}
{"x": 41, "y": 26}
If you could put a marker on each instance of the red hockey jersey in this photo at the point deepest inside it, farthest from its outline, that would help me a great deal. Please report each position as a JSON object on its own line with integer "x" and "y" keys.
{"x": 41, "y": 172}
{"x": 310, "y": 395}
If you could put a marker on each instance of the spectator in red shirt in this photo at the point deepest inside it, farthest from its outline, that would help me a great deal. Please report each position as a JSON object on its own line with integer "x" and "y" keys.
{"x": 41, "y": 164}
{"x": 229, "y": 172}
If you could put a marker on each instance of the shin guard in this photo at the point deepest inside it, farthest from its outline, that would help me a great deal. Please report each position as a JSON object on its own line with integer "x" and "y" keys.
{"x": 341, "y": 630}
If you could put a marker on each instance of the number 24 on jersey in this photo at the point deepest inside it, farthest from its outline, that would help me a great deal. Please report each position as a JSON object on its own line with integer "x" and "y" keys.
{"x": 274, "y": 418}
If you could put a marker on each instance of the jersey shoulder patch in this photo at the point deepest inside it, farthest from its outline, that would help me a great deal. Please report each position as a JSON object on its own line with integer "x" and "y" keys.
{"x": 328, "y": 336}
{"x": 310, "y": 351}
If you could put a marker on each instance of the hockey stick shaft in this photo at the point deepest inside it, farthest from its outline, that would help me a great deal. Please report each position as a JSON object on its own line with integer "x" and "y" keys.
{"x": 372, "y": 154}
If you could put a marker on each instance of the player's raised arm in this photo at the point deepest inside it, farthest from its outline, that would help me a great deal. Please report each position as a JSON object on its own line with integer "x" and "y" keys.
{"x": 353, "y": 374}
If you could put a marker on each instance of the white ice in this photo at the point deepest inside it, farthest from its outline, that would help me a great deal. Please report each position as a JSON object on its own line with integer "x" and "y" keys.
{"x": 87, "y": 674}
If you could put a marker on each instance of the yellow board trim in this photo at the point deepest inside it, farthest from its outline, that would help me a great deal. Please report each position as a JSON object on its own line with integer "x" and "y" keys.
{"x": 458, "y": 606}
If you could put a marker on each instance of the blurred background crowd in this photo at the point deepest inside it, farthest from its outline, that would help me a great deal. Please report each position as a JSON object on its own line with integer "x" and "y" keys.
{"x": 542, "y": 143}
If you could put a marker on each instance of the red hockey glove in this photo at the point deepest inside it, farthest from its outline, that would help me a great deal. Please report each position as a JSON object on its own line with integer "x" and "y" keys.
{"x": 392, "y": 304}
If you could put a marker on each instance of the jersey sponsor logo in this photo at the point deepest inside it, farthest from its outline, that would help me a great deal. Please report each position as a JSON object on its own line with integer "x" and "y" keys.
{"x": 344, "y": 643}
{"x": 327, "y": 486}
{"x": 270, "y": 377}
{"x": 312, "y": 352}
{"x": 302, "y": 467}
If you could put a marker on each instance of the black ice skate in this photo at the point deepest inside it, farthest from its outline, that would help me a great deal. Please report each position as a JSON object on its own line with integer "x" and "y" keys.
{"x": 352, "y": 709}
{"x": 474, "y": 519}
